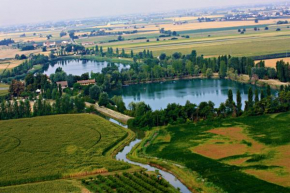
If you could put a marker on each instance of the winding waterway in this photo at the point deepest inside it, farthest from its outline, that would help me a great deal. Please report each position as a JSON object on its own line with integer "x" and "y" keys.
{"x": 122, "y": 155}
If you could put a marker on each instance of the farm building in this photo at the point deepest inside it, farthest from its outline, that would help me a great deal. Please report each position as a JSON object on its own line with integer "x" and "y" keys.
{"x": 49, "y": 44}
{"x": 87, "y": 82}
{"x": 63, "y": 84}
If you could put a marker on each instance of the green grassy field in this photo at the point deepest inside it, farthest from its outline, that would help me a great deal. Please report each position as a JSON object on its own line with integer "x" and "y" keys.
{"x": 59, "y": 186}
{"x": 51, "y": 147}
{"x": 249, "y": 154}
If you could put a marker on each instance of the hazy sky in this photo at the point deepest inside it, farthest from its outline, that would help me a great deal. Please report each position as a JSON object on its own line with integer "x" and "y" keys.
{"x": 30, "y": 11}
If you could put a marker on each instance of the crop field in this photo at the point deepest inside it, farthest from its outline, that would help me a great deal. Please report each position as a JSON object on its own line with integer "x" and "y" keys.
{"x": 59, "y": 186}
{"x": 36, "y": 38}
{"x": 9, "y": 64}
{"x": 127, "y": 182}
{"x": 52, "y": 147}
{"x": 10, "y": 53}
{"x": 208, "y": 38}
{"x": 237, "y": 155}
{"x": 251, "y": 44}
{"x": 272, "y": 62}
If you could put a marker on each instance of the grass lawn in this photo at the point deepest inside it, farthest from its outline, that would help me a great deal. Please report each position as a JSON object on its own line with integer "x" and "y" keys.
{"x": 51, "y": 147}
{"x": 247, "y": 154}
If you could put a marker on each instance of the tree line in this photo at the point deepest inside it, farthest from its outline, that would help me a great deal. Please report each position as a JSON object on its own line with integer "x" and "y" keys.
{"x": 6, "y": 42}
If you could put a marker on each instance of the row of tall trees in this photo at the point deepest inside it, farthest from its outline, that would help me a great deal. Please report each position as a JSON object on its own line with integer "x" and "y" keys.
{"x": 22, "y": 109}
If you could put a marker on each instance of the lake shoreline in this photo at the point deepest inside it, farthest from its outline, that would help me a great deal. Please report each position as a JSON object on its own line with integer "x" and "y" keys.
{"x": 273, "y": 83}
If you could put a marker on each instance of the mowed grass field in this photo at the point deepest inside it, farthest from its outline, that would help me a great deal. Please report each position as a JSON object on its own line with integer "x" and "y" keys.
{"x": 51, "y": 147}
{"x": 249, "y": 154}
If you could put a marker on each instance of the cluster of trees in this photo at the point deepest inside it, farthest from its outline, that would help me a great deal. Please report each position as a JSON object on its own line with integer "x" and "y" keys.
{"x": 283, "y": 71}
{"x": 21, "y": 70}
{"x": 262, "y": 72}
{"x": 63, "y": 103}
{"x": 282, "y": 22}
{"x": 28, "y": 47}
{"x": 62, "y": 33}
{"x": 168, "y": 32}
{"x": 258, "y": 103}
{"x": 20, "y": 57}
{"x": 6, "y": 42}
{"x": 22, "y": 109}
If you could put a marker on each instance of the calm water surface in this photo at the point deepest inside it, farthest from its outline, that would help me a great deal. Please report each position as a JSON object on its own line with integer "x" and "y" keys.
{"x": 158, "y": 95}
{"x": 79, "y": 67}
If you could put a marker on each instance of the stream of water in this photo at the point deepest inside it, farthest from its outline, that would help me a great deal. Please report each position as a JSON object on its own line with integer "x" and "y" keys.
{"x": 122, "y": 155}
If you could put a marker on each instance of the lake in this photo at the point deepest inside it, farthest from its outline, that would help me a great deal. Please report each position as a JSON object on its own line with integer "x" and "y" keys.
{"x": 79, "y": 67}
{"x": 158, "y": 95}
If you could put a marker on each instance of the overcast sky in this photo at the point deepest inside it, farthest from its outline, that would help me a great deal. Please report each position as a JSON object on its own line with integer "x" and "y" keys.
{"x": 30, "y": 11}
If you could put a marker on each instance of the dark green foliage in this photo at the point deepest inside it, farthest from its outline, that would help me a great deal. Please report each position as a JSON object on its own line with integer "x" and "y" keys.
{"x": 6, "y": 42}
{"x": 104, "y": 99}
{"x": 25, "y": 48}
{"x": 283, "y": 71}
{"x": 95, "y": 92}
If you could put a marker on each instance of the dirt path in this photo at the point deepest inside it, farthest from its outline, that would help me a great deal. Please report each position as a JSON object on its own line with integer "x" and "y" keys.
{"x": 110, "y": 113}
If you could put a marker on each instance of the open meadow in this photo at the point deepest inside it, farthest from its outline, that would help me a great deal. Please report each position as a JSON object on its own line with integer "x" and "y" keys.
{"x": 53, "y": 147}
{"x": 237, "y": 155}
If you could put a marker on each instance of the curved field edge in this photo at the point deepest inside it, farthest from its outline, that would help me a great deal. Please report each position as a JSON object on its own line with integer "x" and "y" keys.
{"x": 192, "y": 180}
{"x": 88, "y": 165}
{"x": 187, "y": 165}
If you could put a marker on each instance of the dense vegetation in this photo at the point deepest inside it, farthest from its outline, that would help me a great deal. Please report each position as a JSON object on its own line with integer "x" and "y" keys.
{"x": 137, "y": 182}
{"x": 6, "y": 42}
{"x": 60, "y": 103}
{"x": 52, "y": 147}
{"x": 230, "y": 177}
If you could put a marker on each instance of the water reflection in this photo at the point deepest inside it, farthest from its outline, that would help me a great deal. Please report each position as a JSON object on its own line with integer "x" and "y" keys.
{"x": 158, "y": 95}
{"x": 79, "y": 67}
